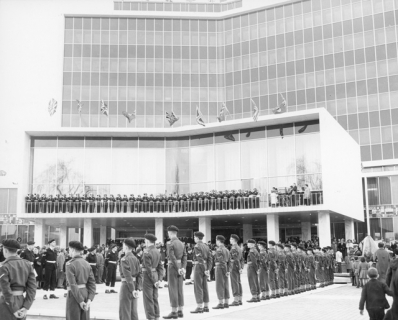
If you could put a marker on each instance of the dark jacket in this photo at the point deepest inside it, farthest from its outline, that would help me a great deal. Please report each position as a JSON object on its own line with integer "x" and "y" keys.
{"x": 374, "y": 295}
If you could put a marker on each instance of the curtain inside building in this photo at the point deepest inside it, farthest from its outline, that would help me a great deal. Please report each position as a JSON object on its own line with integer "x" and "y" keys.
{"x": 385, "y": 190}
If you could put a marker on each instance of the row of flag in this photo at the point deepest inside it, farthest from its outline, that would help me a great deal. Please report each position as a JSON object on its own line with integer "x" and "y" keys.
{"x": 171, "y": 116}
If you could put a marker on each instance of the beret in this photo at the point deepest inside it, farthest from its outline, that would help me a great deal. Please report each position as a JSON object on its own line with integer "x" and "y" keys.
{"x": 11, "y": 244}
{"x": 76, "y": 245}
{"x": 262, "y": 243}
{"x": 51, "y": 240}
{"x": 221, "y": 238}
{"x": 91, "y": 249}
{"x": 199, "y": 234}
{"x": 172, "y": 228}
{"x": 130, "y": 242}
{"x": 151, "y": 237}
{"x": 31, "y": 243}
{"x": 234, "y": 236}
{"x": 271, "y": 242}
{"x": 251, "y": 241}
{"x": 288, "y": 246}
{"x": 280, "y": 245}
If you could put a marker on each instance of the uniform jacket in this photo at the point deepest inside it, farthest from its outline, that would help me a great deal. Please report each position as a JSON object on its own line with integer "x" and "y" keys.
{"x": 91, "y": 258}
{"x": 264, "y": 260}
{"x": 290, "y": 262}
{"x": 254, "y": 258}
{"x": 100, "y": 260}
{"x": 273, "y": 259}
{"x": 222, "y": 257}
{"x": 130, "y": 269}
{"x": 28, "y": 255}
{"x": 49, "y": 255}
{"x": 202, "y": 255}
{"x": 111, "y": 257}
{"x": 176, "y": 251}
{"x": 282, "y": 266}
{"x": 237, "y": 259}
{"x": 78, "y": 271}
{"x": 151, "y": 259}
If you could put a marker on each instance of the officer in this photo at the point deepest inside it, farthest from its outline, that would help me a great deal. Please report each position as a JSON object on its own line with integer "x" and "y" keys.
{"x": 118, "y": 203}
{"x": 77, "y": 203}
{"x": 49, "y": 260}
{"x": 203, "y": 262}
{"x": 43, "y": 203}
{"x": 92, "y": 260}
{"x": 16, "y": 277}
{"x": 236, "y": 269}
{"x": 112, "y": 201}
{"x": 111, "y": 262}
{"x": 263, "y": 272}
{"x": 283, "y": 269}
{"x": 318, "y": 266}
{"x": 84, "y": 200}
{"x": 91, "y": 203}
{"x": 50, "y": 204}
{"x": 152, "y": 270}
{"x": 177, "y": 261}
{"x": 222, "y": 265}
{"x": 145, "y": 203}
{"x": 291, "y": 267}
{"x": 131, "y": 277}
{"x": 131, "y": 203}
{"x": 98, "y": 203}
{"x": 28, "y": 253}
{"x": 57, "y": 203}
{"x": 81, "y": 284}
{"x": 273, "y": 270}
{"x": 105, "y": 203}
{"x": 252, "y": 268}
{"x": 151, "y": 200}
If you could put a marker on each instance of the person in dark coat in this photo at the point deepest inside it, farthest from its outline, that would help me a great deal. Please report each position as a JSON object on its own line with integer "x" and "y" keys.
{"x": 392, "y": 283}
{"x": 382, "y": 258}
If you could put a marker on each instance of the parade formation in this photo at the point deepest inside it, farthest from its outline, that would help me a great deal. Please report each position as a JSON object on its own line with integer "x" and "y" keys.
{"x": 274, "y": 270}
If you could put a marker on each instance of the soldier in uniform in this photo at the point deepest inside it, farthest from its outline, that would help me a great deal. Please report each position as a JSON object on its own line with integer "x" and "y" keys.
{"x": 81, "y": 284}
{"x": 70, "y": 203}
{"x": 131, "y": 277}
{"x": 118, "y": 201}
{"x": 222, "y": 261}
{"x": 252, "y": 268}
{"x": 43, "y": 203}
{"x": 263, "y": 271}
{"x": 236, "y": 269}
{"x": 105, "y": 203}
{"x": 57, "y": 203}
{"x": 177, "y": 261}
{"x": 28, "y": 253}
{"x": 231, "y": 201}
{"x": 49, "y": 260}
{"x": 112, "y": 201}
{"x": 50, "y": 204}
{"x": 28, "y": 204}
{"x": 203, "y": 261}
{"x": 201, "y": 202}
{"x": 297, "y": 270}
{"x": 282, "y": 267}
{"x": 312, "y": 266}
{"x": 98, "y": 203}
{"x": 111, "y": 262}
{"x": 145, "y": 203}
{"x": 101, "y": 265}
{"x": 17, "y": 277}
{"x": 291, "y": 267}
{"x": 92, "y": 260}
{"x": 90, "y": 203}
{"x": 138, "y": 204}
{"x": 240, "y": 204}
{"x": 189, "y": 266}
{"x": 131, "y": 203}
{"x": 225, "y": 200}
{"x": 84, "y": 203}
{"x": 151, "y": 203}
{"x": 273, "y": 270}
{"x": 152, "y": 270}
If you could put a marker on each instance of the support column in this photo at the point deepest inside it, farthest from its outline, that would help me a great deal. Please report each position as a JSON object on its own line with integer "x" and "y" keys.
{"x": 273, "y": 227}
{"x": 40, "y": 232}
{"x": 63, "y": 237}
{"x": 349, "y": 229}
{"x": 247, "y": 231}
{"x": 205, "y": 227}
{"x": 113, "y": 234}
{"x": 159, "y": 230}
{"x": 102, "y": 235}
{"x": 324, "y": 228}
{"x": 305, "y": 230}
{"x": 88, "y": 233}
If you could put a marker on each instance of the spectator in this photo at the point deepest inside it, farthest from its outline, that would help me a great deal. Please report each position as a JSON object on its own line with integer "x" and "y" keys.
{"x": 356, "y": 271}
{"x": 382, "y": 259}
{"x": 274, "y": 198}
{"x": 392, "y": 282}
{"x": 61, "y": 273}
{"x": 307, "y": 195}
{"x": 363, "y": 271}
{"x": 374, "y": 296}
{"x": 339, "y": 259}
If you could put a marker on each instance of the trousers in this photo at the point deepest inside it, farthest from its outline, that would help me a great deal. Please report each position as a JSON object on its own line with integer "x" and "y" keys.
{"x": 263, "y": 279}
{"x": 50, "y": 277}
{"x": 5, "y": 310}
{"x": 150, "y": 295}
{"x": 127, "y": 304}
{"x": 222, "y": 284}
{"x": 73, "y": 310}
{"x": 111, "y": 275}
{"x": 201, "y": 289}
{"x": 236, "y": 283}
{"x": 176, "y": 292}
{"x": 253, "y": 281}
{"x": 273, "y": 282}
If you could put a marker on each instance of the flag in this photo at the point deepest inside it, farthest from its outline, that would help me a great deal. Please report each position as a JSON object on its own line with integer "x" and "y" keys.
{"x": 104, "y": 108}
{"x": 256, "y": 110}
{"x": 199, "y": 117}
{"x": 52, "y": 106}
{"x": 79, "y": 106}
{"x": 303, "y": 129}
{"x": 172, "y": 118}
{"x": 224, "y": 112}
{"x": 129, "y": 116}
{"x": 281, "y": 108}
{"x": 229, "y": 137}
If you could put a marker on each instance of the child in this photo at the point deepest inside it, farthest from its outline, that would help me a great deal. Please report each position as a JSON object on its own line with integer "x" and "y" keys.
{"x": 363, "y": 271}
{"x": 373, "y": 294}
{"x": 356, "y": 271}
{"x": 351, "y": 272}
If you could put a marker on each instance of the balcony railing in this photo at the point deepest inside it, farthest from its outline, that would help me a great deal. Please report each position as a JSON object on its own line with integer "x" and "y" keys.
{"x": 296, "y": 200}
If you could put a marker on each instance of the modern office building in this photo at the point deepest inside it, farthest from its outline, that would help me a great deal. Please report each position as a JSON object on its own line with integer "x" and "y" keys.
{"x": 328, "y": 59}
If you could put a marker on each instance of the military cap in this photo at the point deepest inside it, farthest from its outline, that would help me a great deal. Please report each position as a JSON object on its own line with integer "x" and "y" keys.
{"x": 31, "y": 243}
{"x": 288, "y": 246}
{"x": 130, "y": 242}
{"x": 91, "y": 249}
{"x": 280, "y": 245}
{"x": 150, "y": 237}
{"x": 251, "y": 241}
{"x": 11, "y": 244}
{"x": 220, "y": 238}
{"x": 76, "y": 245}
{"x": 262, "y": 243}
{"x": 234, "y": 236}
{"x": 199, "y": 234}
{"x": 271, "y": 242}
{"x": 51, "y": 240}
{"x": 172, "y": 228}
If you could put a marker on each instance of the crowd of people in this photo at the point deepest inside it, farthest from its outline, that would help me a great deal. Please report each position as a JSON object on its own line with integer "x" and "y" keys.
{"x": 294, "y": 196}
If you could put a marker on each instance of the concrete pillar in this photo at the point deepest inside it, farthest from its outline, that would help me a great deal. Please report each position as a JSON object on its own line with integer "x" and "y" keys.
{"x": 349, "y": 229}
{"x": 247, "y": 231}
{"x": 159, "y": 230}
{"x": 113, "y": 234}
{"x": 324, "y": 228}
{"x": 205, "y": 227}
{"x": 88, "y": 233}
{"x": 305, "y": 230}
{"x": 63, "y": 237}
{"x": 273, "y": 227}
{"x": 102, "y": 235}
{"x": 40, "y": 232}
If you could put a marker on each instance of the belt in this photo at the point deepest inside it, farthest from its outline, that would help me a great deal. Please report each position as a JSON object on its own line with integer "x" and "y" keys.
{"x": 197, "y": 262}
{"x": 220, "y": 264}
{"x": 112, "y": 262}
{"x": 152, "y": 269}
{"x": 189, "y": 260}
{"x": 93, "y": 264}
{"x": 15, "y": 293}
{"x": 31, "y": 263}
{"x": 80, "y": 286}
{"x": 249, "y": 262}
{"x": 178, "y": 261}
{"x": 124, "y": 279}
{"x": 49, "y": 261}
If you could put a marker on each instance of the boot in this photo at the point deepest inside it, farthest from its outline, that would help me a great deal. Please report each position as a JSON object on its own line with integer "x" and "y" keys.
{"x": 219, "y": 306}
{"x": 197, "y": 310}
{"x": 172, "y": 315}
{"x": 180, "y": 314}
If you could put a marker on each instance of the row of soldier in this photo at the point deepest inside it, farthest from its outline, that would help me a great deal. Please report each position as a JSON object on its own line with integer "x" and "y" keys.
{"x": 88, "y": 203}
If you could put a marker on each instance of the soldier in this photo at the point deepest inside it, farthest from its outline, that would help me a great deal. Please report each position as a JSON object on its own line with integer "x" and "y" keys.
{"x": 145, "y": 203}
{"x": 138, "y": 204}
{"x": 16, "y": 277}
{"x": 28, "y": 204}
{"x": 252, "y": 268}
{"x": 105, "y": 203}
{"x": 151, "y": 203}
{"x": 225, "y": 200}
{"x": 273, "y": 270}
{"x": 112, "y": 201}
{"x": 282, "y": 270}
{"x": 240, "y": 204}
{"x": 36, "y": 205}
{"x": 49, "y": 260}
{"x": 157, "y": 204}
{"x": 28, "y": 253}
{"x": 50, "y": 204}
{"x": 57, "y": 203}
{"x": 263, "y": 272}
{"x": 297, "y": 269}
{"x": 177, "y": 261}
{"x": 131, "y": 203}
{"x": 202, "y": 265}
{"x": 84, "y": 203}
{"x": 312, "y": 266}
{"x": 130, "y": 274}
{"x": 118, "y": 201}
{"x": 152, "y": 270}
{"x": 110, "y": 263}
{"x": 98, "y": 203}
{"x": 170, "y": 203}
{"x": 291, "y": 267}
{"x": 219, "y": 200}
{"x": 92, "y": 260}
{"x": 213, "y": 204}
{"x": 194, "y": 201}
{"x": 201, "y": 202}
{"x": 222, "y": 261}
{"x": 101, "y": 265}
{"x": 91, "y": 203}
{"x": 81, "y": 284}
{"x": 43, "y": 203}
{"x": 70, "y": 203}
{"x": 188, "y": 275}
{"x": 231, "y": 201}
{"x": 236, "y": 269}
